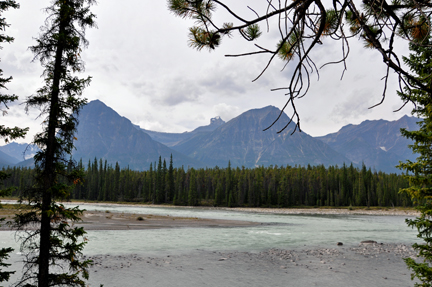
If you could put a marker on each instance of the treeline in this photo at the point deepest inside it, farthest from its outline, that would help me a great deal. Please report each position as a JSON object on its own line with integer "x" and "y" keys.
{"x": 262, "y": 186}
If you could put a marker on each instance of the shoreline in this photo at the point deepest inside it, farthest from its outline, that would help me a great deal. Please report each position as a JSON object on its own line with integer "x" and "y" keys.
{"x": 305, "y": 211}
{"x": 107, "y": 220}
{"x": 294, "y": 210}
{"x": 327, "y": 211}
{"x": 99, "y": 220}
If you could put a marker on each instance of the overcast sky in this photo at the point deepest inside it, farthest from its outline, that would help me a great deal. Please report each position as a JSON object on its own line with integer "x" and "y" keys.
{"x": 143, "y": 68}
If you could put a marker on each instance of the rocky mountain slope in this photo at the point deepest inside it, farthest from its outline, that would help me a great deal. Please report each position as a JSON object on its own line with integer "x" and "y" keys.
{"x": 7, "y": 160}
{"x": 103, "y": 133}
{"x": 19, "y": 151}
{"x": 243, "y": 142}
{"x": 172, "y": 139}
{"x": 378, "y": 144}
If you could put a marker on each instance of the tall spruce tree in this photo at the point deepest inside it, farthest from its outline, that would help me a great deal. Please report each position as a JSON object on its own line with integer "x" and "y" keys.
{"x": 164, "y": 185}
{"x": 56, "y": 242}
{"x": 6, "y": 133}
{"x": 170, "y": 182}
{"x": 420, "y": 171}
{"x": 192, "y": 194}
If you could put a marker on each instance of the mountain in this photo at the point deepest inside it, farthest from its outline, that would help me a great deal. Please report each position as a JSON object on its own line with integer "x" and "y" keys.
{"x": 103, "y": 133}
{"x": 19, "y": 151}
{"x": 172, "y": 139}
{"x": 377, "y": 143}
{"x": 26, "y": 163}
{"x": 243, "y": 142}
{"x": 7, "y": 160}
{"x": 214, "y": 124}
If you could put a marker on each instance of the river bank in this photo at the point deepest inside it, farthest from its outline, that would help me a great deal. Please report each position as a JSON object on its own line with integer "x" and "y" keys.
{"x": 291, "y": 210}
{"x": 294, "y": 210}
{"x": 335, "y": 211}
{"x": 107, "y": 220}
{"x": 98, "y": 220}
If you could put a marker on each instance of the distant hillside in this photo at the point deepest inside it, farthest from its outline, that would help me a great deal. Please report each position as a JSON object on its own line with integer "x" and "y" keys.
{"x": 243, "y": 142}
{"x": 377, "y": 143}
{"x": 7, "y": 160}
{"x": 19, "y": 151}
{"x": 172, "y": 139}
{"x": 103, "y": 133}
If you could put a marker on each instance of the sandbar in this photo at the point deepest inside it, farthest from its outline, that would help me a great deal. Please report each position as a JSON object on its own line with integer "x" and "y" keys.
{"x": 98, "y": 220}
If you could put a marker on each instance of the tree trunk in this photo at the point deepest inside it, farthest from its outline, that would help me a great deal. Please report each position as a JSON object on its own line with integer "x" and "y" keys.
{"x": 50, "y": 161}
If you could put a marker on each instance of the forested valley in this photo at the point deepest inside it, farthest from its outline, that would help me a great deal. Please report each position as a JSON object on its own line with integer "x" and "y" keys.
{"x": 271, "y": 186}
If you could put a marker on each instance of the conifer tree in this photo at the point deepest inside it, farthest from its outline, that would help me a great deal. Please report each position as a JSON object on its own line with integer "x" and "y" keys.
{"x": 105, "y": 182}
{"x": 158, "y": 182}
{"x": 171, "y": 188}
{"x": 55, "y": 242}
{"x": 116, "y": 181}
{"x": 192, "y": 195}
{"x": 164, "y": 189}
{"x": 420, "y": 171}
{"x": 218, "y": 193}
{"x": 228, "y": 186}
{"x": 6, "y": 133}
{"x": 150, "y": 182}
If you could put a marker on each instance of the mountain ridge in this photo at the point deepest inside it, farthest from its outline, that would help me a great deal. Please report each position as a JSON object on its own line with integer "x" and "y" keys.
{"x": 172, "y": 139}
{"x": 103, "y": 133}
{"x": 377, "y": 143}
{"x": 243, "y": 142}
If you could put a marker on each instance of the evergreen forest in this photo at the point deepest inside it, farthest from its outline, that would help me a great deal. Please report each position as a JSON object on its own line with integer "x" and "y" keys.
{"x": 271, "y": 186}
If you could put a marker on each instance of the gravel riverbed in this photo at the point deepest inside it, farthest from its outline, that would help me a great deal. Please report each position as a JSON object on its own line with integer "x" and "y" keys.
{"x": 362, "y": 265}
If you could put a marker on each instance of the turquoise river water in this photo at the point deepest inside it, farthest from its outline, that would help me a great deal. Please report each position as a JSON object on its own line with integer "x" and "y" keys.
{"x": 278, "y": 231}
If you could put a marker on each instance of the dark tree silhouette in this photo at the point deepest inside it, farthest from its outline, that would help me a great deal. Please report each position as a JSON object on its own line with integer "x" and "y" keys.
{"x": 6, "y": 133}
{"x": 419, "y": 172}
{"x": 55, "y": 243}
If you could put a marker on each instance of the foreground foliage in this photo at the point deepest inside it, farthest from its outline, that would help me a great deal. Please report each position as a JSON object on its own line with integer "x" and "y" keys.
{"x": 420, "y": 171}
{"x": 4, "y": 251}
{"x": 6, "y": 133}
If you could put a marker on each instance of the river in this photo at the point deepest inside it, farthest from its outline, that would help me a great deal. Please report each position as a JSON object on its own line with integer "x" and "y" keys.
{"x": 277, "y": 231}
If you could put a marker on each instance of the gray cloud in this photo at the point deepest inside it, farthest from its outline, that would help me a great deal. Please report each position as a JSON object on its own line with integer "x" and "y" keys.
{"x": 142, "y": 67}
{"x": 177, "y": 91}
{"x": 356, "y": 104}
{"x": 225, "y": 111}
{"x": 225, "y": 83}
